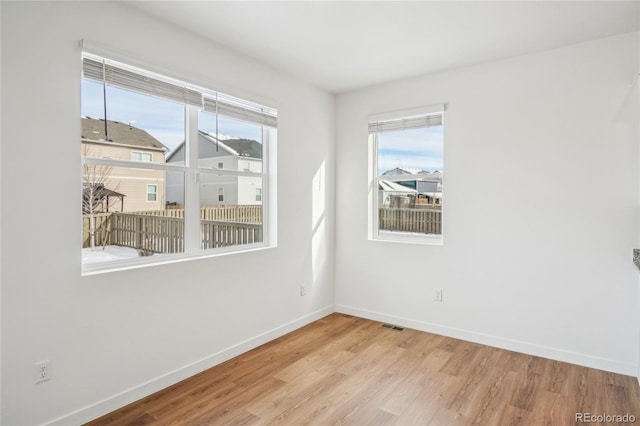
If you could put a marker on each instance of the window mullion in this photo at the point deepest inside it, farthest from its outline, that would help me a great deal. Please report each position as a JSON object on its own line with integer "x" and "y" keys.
{"x": 192, "y": 183}
{"x": 264, "y": 186}
{"x": 376, "y": 194}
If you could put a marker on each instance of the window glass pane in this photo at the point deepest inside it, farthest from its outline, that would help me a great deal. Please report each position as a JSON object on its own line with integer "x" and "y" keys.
{"x": 115, "y": 229}
{"x": 125, "y": 210}
{"x": 234, "y": 220}
{"x": 236, "y": 145}
{"x": 152, "y": 193}
{"x": 138, "y": 128}
{"x": 410, "y": 170}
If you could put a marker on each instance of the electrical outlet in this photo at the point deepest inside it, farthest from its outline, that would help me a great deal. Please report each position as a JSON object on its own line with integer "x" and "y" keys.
{"x": 41, "y": 371}
{"x": 303, "y": 290}
{"x": 437, "y": 294}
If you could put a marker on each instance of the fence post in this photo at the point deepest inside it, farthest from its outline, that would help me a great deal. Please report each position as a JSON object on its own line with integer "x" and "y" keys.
{"x": 138, "y": 232}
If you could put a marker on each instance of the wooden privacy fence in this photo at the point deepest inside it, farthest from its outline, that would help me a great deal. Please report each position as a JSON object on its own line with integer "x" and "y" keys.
{"x": 160, "y": 234}
{"x": 152, "y": 233}
{"x": 221, "y": 234}
{"x": 426, "y": 220}
{"x": 102, "y": 221}
{"x": 241, "y": 213}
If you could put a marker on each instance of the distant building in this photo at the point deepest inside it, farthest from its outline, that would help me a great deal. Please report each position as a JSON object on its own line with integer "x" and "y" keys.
{"x": 131, "y": 189}
{"x": 422, "y": 187}
{"x": 222, "y": 154}
{"x": 392, "y": 194}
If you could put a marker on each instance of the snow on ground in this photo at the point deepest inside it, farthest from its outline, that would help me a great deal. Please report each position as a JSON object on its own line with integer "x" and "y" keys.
{"x": 109, "y": 253}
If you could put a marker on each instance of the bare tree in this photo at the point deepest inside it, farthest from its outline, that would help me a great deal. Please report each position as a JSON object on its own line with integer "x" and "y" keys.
{"x": 94, "y": 193}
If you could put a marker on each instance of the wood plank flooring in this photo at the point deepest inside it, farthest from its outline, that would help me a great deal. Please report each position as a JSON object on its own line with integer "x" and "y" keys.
{"x": 348, "y": 370}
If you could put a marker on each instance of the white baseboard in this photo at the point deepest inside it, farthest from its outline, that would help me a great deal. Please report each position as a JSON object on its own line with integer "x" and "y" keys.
{"x": 128, "y": 396}
{"x": 495, "y": 341}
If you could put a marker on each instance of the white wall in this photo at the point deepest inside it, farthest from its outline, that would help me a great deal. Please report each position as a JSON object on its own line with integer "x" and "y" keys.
{"x": 637, "y": 138}
{"x": 110, "y": 333}
{"x": 541, "y": 207}
{"x": 0, "y": 227}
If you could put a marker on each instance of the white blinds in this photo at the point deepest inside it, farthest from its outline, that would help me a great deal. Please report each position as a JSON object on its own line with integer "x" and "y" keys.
{"x": 130, "y": 78}
{"x": 233, "y": 108}
{"x": 429, "y": 120}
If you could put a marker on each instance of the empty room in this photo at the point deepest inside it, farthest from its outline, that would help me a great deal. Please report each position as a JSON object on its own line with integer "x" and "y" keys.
{"x": 362, "y": 213}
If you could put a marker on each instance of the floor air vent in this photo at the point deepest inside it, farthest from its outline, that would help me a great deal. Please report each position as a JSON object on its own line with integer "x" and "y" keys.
{"x": 393, "y": 327}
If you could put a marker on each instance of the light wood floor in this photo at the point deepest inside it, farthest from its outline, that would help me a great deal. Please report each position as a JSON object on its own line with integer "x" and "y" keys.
{"x": 348, "y": 370}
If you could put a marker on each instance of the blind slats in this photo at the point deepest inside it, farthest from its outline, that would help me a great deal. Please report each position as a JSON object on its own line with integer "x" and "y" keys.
{"x": 406, "y": 123}
{"x": 228, "y": 108}
{"x": 131, "y": 80}
{"x": 147, "y": 83}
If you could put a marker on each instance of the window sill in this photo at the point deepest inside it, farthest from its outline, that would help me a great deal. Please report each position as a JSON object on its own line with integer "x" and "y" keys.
{"x": 166, "y": 259}
{"x": 408, "y": 238}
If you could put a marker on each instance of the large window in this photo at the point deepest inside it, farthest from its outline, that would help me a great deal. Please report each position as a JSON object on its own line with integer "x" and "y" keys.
{"x": 169, "y": 169}
{"x": 407, "y": 170}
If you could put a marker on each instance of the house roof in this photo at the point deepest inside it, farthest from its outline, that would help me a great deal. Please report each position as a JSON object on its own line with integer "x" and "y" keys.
{"x": 389, "y": 186}
{"x": 247, "y": 148}
{"x": 237, "y": 146}
{"x": 119, "y": 133}
{"x": 403, "y": 171}
{"x": 408, "y": 171}
{"x": 410, "y": 175}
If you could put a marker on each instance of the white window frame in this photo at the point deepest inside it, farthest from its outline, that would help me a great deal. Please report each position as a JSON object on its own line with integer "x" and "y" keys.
{"x": 154, "y": 185}
{"x": 220, "y": 195}
{"x": 258, "y": 194}
{"x": 230, "y": 107}
{"x": 374, "y": 233}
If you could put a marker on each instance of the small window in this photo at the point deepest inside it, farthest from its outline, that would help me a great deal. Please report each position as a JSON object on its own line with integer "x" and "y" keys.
{"x": 220, "y": 194}
{"x": 221, "y": 165}
{"x": 152, "y": 193}
{"x": 147, "y": 157}
{"x": 258, "y": 194}
{"x": 247, "y": 166}
{"x": 407, "y": 167}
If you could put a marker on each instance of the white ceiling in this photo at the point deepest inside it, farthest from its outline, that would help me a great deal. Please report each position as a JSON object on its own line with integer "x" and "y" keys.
{"x": 342, "y": 46}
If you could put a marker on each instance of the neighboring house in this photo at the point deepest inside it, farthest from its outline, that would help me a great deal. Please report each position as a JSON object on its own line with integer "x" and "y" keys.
{"x": 228, "y": 154}
{"x": 428, "y": 185}
{"x": 392, "y": 194}
{"x": 136, "y": 189}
